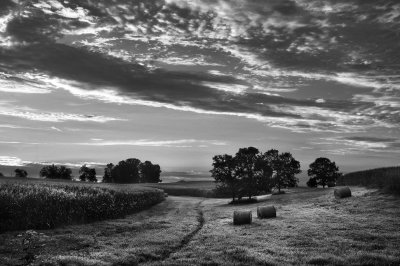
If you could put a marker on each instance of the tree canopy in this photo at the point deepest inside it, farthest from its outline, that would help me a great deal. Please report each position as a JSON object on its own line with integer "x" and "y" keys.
{"x": 20, "y": 173}
{"x": 323, "y": 172}
{"x": 132, "y": 170}
{"x": 284, "y": 167}
{"x": 87, "y": 174}
{"x": 250, "y": 172}
{"x": 56, "y": 172}
{"x": 149, "y": 173}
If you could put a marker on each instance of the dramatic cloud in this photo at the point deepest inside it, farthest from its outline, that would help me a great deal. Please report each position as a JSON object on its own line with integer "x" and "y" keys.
{"x": 305, "y": 66}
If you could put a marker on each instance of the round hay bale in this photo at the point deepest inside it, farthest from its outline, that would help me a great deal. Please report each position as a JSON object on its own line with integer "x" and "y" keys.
{"x": 242, "y": 217}
{"x": 342, "y": 192}
{"x": 266, "y": 212}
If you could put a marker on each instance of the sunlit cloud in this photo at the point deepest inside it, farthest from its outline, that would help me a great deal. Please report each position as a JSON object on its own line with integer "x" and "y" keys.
{"x": 36, "y": 115}
{"x": 12, "y": 161}
{"x": 181, "y": 143}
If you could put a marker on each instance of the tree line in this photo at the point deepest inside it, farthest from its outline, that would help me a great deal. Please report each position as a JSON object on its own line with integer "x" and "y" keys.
{"x": 250, "y": 172}
{"x": 126, "y": 171}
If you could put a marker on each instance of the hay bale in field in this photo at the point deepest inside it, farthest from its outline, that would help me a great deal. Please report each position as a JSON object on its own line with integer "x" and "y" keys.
{"x": 342, "y": 192}
{"x": 266, "y": 212}
{"x": 242, "y": 217}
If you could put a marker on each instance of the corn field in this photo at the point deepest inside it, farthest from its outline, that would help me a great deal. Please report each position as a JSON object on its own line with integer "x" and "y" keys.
{"x": 45, "y": 206}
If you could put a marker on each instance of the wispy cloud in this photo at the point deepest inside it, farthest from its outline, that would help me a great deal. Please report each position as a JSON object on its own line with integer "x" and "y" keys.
{"x": 36, "y": 115}
{"x": 181, "y": 143}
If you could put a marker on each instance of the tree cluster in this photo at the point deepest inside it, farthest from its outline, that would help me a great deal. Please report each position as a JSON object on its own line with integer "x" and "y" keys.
{"x": 132, "y": 171}
{"x": 323, "y": 172}
{"x": 20, "y": 173}
{"x": 87, "y": 174}
{"x": 251, "y": 172}
{"x": 56, "y": 172}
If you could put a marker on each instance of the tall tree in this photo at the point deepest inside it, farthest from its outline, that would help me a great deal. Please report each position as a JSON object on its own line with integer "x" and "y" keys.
{"x": 107, "y": 177}
{"x": 245, "y": 160}
{"x": 20, "y": 173}
{"x": 224, "y": 174}
{"x": 149, "y": 173}
{"x": 263, "y": 172}
{"x": 323, "y": 171}
{"x": 285, "y": 167}
{"x": 87, "y": 174}
{"x": 126, "y": 171}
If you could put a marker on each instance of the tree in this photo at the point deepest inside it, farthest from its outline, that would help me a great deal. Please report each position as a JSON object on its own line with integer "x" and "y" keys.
{"x": 323, "y": 171}
{"x": 263, "y": 173}
{"x": 20, "y": 173}
{"x": 149, "y": 173}
{"x": 87, "y": 174}
{"x": 55, "y": 172}
{"x": 64, "y": 173}
{"x": 245, "y": 160}
{"x": 246, "y": 174}
{"x": 107, "y": 177}
{"x": 224, "y": 174}
{"x": 284, "y": 167}
{"x": 312, "y": 182}
{"x": 126, "y": 171}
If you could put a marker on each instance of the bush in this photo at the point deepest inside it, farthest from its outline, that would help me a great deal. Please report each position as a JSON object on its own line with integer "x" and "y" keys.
{"x": 44, "y": 206}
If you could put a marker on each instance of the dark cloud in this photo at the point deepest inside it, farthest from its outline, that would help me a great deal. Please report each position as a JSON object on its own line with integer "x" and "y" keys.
{"x": 291, "y": 35}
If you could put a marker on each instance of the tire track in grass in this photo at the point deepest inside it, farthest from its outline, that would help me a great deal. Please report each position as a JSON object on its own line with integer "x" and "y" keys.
{"x": 185, "y": 240}
{"x": 167, "y": 253}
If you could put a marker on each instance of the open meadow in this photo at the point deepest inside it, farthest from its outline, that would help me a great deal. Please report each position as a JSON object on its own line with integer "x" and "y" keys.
{"x": 188, "y": 188}
{"x": 311, "y": 227}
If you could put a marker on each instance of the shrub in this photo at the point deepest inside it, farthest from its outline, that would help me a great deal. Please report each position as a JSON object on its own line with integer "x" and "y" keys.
{"x": 43, "y": 206}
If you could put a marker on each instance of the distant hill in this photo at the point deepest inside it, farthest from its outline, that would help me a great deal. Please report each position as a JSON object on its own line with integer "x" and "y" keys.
{"x": 387, "y": 178}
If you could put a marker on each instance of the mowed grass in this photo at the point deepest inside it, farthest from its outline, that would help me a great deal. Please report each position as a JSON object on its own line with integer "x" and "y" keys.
{"x": 311, "y": 228}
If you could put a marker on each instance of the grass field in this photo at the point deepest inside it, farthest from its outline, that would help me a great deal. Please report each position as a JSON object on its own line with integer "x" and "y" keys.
{"x": 188, "y": 188}
{"x": 311, "y": 228}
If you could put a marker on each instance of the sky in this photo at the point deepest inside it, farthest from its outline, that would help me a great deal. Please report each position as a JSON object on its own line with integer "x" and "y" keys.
{"x": 177, "y": 82}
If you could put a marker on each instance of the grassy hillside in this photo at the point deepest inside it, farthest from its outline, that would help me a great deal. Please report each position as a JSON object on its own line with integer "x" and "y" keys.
{"x": 41, "y": 204}
{"x": 311, "y": 228}
{"x": 387, "y": 178}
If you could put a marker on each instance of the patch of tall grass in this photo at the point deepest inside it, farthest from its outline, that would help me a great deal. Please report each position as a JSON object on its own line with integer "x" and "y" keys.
{"x": 44, "y": 206}
{"x": 385, "y": 178}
